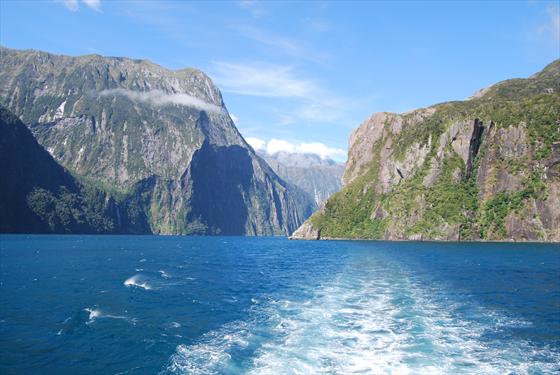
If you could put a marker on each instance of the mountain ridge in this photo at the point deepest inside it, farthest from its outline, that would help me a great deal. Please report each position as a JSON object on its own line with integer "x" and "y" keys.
{"x": 481, "y": 169}
{"x": 318, "y": 177}
{"x": 137, "y": 130}
{"x": 41, "y": 196}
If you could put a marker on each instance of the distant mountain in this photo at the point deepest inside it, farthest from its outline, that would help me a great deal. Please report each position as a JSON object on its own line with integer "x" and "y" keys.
{"x": 487, "y": 168}
{"x": 318, "y": 177}
{"x": 161, "y": 138}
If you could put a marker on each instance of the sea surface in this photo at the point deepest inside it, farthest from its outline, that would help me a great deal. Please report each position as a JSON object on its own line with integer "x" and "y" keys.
{"x": 234, "y": 305}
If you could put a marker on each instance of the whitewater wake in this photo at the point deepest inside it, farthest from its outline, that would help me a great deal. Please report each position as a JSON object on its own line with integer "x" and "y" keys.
{"x": 382, "y": 321}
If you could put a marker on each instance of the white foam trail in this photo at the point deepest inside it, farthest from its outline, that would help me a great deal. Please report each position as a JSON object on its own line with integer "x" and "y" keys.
{"x": 382, "y": 321}
{"x": 95, "y": 313}
{"x": 138, "y": 282}
{"x": 211, "y": 356}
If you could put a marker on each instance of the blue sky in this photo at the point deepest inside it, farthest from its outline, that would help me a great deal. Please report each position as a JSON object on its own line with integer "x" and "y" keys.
{"x": 304, "y": 74}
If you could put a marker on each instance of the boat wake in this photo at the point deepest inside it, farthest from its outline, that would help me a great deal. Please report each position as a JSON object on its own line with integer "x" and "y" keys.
{"x": 380, "y": 321}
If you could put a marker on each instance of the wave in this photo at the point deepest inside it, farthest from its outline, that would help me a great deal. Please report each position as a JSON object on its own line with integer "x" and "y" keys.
{"x": 96, "y": 313}
{"x": 380, "y": 321}
{"x": 138, "y": 281}
{"x": 164, "y": 274}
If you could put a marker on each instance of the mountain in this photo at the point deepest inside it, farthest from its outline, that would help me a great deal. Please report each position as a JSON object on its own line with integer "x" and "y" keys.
{"x": 37, "y": 195}
{"x": 487, "y": 168}
{"x": 318, "y": 177}
{"x": 161, "y": 138}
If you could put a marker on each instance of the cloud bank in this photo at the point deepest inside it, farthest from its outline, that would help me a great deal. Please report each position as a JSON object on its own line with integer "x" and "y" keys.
{"x": 158, "y": 97}
{"x": 279, "y": 145}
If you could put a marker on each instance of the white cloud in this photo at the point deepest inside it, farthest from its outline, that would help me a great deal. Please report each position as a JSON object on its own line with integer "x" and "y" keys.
{"x": 255, "y": 7}
{"x": 321, "y": 149}
{"x": 93, "y": 4}
{"x": 280, "y": 145}
{"x": 73, "y": 5}
{"x": 256, "y": 143}
{"x": 258, "y": 79}
{"x": 234, "y": 118}
{"x": 310, "y": 101}
{"x": 69, "y": 4}
{"x": 263, "y": 37}
{"x": 282, "y": 45}
{"x": 158, "y": 97}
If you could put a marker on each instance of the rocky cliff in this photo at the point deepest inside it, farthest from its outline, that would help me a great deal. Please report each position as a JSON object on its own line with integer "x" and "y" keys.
{"x": 37, "y": 195}
{"x": 162, "y": 138}
{"x": 487, "y": 168}
{"x": 319, "y": 178}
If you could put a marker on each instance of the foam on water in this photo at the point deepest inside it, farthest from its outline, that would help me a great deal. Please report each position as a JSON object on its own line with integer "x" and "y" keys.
{"x": 138, "y": 281}
{"x": 93, "y": 314}
{"x": 365, "y": 322}
{"x": 96, "y": 313}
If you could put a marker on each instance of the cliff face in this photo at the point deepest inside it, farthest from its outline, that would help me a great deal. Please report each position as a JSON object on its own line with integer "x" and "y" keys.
{"x": 161, "y": 138}
{"x": 319, "y": 178}
{"x": 37, "y": 195}
{"x": 483, "y": 169}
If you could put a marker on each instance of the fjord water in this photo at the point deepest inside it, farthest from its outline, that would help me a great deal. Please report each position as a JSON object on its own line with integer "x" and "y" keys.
{"x": 233, "y": 305}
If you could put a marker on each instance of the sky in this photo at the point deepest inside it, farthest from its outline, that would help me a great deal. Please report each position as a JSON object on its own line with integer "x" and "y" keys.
{"x": 300, "y": 76}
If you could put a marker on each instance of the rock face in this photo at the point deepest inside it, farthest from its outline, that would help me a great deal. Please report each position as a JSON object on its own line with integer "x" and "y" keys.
{"x": 483, "y": 169}
{"x": 40, "y": 196}
{"x": 161, "y": 138}
{"x": 306, "y": 232}
{"x": 319, "y": 178}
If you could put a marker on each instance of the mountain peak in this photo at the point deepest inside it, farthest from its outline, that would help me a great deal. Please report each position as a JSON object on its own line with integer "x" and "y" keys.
{"x": 158, "y": 137}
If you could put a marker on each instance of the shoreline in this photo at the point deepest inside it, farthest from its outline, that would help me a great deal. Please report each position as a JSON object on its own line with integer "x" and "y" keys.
{"x": 291, "y": 238}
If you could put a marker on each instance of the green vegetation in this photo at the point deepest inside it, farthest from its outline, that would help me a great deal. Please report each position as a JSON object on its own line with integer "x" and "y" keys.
{"x": 64, "y": 211}
{"x": 412, "y": 210}
{"x": 492, "y": 215}
{"x": 348, "y": 212}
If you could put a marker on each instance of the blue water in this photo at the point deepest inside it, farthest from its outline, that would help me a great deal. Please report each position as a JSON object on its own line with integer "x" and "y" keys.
{"x": 232, "y": 305}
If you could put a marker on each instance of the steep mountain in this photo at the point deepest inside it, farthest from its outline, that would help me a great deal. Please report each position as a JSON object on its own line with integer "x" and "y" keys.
{"x": 318, "y": 177}
{"x": 487, "y": 168}
{"x": 162, "y": 138}
{"x": 38, "y": 195}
